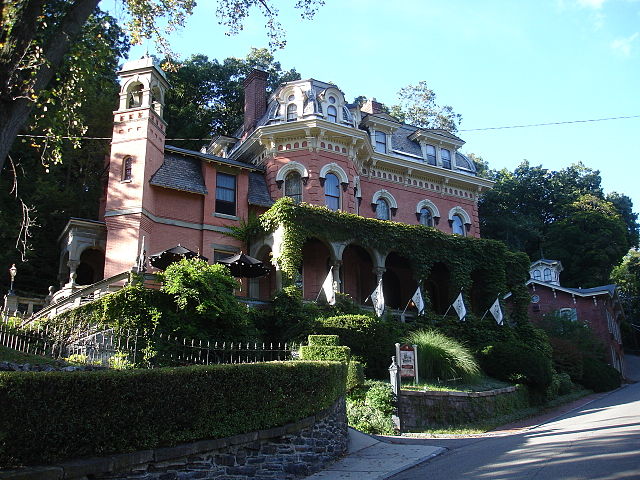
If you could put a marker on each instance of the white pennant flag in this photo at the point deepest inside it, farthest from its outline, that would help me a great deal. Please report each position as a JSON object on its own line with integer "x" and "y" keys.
{"x": 496, "y": 311}
{"x": 377, "y": 298}
{"x": 418, "y": 301}
{"x": 458, "y": 306}
{"x": 327, "y": 288}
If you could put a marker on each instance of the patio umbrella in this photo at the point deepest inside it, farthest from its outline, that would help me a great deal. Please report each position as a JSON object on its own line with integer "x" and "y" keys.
{"x": 163, "y": 259}
{"x": 242, "y": 265}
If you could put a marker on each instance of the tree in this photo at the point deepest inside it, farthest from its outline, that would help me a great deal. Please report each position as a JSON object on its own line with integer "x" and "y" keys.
{"x": 418, "y": 107}
{"x": 36, "y": 35}
{"x": 627, "y": 277}
{"x": 208, "y": 96}
{"x": 589, "y": 241}
{"x": 624, "y": 205}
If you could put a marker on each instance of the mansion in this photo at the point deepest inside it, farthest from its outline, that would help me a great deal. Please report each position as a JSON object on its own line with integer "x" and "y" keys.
{"x": 304, "y": 141}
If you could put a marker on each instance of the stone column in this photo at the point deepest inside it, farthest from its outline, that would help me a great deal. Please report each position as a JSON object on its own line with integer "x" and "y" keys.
{"x": 379, "y": 271}
{"x": 337, "y": 284}
{"x": 73, "y": 266}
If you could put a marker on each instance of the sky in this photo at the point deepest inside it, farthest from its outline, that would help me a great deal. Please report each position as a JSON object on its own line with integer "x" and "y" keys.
{"x": 496, "y": 62}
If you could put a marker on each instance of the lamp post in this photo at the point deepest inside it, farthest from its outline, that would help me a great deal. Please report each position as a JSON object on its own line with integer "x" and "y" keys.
{"x": 12, "y": 271}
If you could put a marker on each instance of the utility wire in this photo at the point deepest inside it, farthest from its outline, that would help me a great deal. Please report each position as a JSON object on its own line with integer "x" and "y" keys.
{"x": 529, "y": 125}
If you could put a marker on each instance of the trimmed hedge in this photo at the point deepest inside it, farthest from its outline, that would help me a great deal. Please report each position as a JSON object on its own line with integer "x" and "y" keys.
{"x": 53, "y": 416}
{"x": 325, "y": 352}
{"x": 326, "y": 340}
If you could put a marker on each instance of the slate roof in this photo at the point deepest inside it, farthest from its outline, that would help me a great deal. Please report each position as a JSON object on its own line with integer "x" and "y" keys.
{"x": 583, "y": 292}
{"x": 400, "y": 141}
{"x": 258, "y": 192}
{"x": 180, "y": 173}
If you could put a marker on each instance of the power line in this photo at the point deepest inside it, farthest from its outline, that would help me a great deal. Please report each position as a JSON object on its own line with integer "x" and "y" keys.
{"x": 528, "y": 125}
{"x": 548, "y": 123}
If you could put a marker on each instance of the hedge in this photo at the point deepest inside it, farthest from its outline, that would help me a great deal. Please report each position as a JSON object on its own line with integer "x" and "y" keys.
{"x": 53, "y": 416}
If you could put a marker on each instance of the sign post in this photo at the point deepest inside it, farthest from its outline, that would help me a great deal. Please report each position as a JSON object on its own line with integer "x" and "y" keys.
{"x": 407, "y": 356}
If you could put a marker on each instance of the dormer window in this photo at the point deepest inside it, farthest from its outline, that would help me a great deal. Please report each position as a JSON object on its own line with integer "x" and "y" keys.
{"x": 381, "y": 142}
{"x": 332, "y": 113}
{"x": 431, "y": 155}
{"x": 536, "y": 274}
{"x": 445, "y": 156}
{"x": 292, "y": 112}
{"x": 547, "y": 274}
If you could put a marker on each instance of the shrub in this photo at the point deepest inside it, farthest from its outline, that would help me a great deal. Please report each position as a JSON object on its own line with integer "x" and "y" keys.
{"x": 441, "y": 357}
{"x": 326, "y": 340}
{"x": 565, "y": 385}
{"x": 322, "y": 352}
{"x": 370, "y": 339}
{"x": 369, "y": 408}
{"x": 598, "y": 376}
{"x": 516, "y": 362}
{"x": 355, "y": 375}
{"x": 105, "y": 412}
{"x": 567, "y": 358}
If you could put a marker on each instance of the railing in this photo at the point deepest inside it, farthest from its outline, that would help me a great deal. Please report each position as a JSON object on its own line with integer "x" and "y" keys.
{"x": 132, "y": 348}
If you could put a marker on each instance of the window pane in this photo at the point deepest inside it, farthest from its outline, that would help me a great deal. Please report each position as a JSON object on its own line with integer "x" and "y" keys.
{"x": 292, "y": 112}
{"x": 225, "y": 194}
{"x": 293, "y": 187}
{"x": 547, "y": 275}
{"x": 332, "y": 191}
{"x": 332, "y": 113}
{"x": 431, "y": 155}
{"x": 381, "y": 142}
{"x": 382, "y": 210}
{"x": 458, "y": 225}
{"x": 446, "y": 158}
{"x": 426, "y": 218}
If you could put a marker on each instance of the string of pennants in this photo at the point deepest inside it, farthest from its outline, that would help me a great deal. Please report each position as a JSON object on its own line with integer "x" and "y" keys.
{"x": 377, "y": 299}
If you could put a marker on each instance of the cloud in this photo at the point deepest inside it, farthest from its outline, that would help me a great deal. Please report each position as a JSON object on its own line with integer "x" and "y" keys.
{"x": 591, "y": 3}
{"x": 623, "y": 46}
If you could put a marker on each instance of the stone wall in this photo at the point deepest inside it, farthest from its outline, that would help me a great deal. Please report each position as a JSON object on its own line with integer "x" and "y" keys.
{"x": 434, "y": 408}
{"x": 288, "y": 452}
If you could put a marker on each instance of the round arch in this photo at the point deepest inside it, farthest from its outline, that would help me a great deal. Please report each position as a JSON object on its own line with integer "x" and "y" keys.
{"x": 289, "y": 167}
{"x": 385, "y": 195}
{"x": 428, "y": 204}
{"x": 336, "y": 170}
{"x": 458, "y": 210}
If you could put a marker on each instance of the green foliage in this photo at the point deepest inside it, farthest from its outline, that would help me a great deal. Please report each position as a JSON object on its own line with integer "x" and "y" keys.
{"x": 418, "y": 107}
{"x": 154, "y": 408}
{"x": 369, "y": 408}
{"x": 565, "y": 385}
{"x": 371, "y": 340}
{"x": 627, "y": 277}
{"x": 598, "y": 376}
{"x": 324, "y": 340}
{"x": 563, "y": 214}
{"x": 441, "y": 357}
{"x": 517, "y": 362}
{"x": 324, "y": 352}
{"x": 355, "y": 375}
{"x": 120, "y": 361}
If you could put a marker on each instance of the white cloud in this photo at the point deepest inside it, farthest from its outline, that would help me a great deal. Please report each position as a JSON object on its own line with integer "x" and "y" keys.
{"x": 623, "y": 46}
{"x": 591, "y": 3}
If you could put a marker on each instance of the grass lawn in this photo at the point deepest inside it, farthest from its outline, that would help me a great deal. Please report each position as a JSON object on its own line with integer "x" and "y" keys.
{"x": 10, "y": 355}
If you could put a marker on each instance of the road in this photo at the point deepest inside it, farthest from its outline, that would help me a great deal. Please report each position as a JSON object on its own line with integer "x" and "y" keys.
{"x": 600, "y": 440}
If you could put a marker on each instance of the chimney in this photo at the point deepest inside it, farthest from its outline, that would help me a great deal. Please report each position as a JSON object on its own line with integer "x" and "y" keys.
{"x": 372, "y": 106}
{"x": 255, "y": 98}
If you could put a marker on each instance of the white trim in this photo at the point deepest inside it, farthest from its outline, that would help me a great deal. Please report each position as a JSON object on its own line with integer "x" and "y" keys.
{"x": 387, "y": 196}
{"x": 335, "y": 169}
{"x": 289, "y": 167}
{"x": 458, "y": 210}
{"x": 430, "y": 205}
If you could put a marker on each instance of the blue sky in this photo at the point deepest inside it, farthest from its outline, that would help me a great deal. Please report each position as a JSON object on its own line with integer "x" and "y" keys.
{"x": 498, "y": 63}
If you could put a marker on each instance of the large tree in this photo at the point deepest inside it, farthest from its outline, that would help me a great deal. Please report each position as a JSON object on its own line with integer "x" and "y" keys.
{"x": 36, "y": 35}
{"x": 207, "y": 96}
{"x": 627, "y": 277}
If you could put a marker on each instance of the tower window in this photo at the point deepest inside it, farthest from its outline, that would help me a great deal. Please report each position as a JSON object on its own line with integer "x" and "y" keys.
{"x": 225, "y": 194}
{"x": 547, "y": 274}
{"x": 332, "y": 192}
{"x": 134, "y": 99}
{"x": 127, "y": 164}
{"x": 536, "y": 274}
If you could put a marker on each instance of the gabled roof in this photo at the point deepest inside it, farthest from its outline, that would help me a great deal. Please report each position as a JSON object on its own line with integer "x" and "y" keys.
{"x": 581, "y": 292}
{"x": 211, "y": 158}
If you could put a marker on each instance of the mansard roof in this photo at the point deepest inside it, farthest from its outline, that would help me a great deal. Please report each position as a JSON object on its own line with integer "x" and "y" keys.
{"x": 180, "y": 172}
{"x": 258, "y": 191}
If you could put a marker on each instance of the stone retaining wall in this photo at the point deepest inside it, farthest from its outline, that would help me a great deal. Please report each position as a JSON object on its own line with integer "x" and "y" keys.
{"x": 435, "y": 408}
{"x": 288, "y": 452}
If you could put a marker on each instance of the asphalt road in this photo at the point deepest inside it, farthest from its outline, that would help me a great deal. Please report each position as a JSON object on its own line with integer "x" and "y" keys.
{"x": 600, "y": 440}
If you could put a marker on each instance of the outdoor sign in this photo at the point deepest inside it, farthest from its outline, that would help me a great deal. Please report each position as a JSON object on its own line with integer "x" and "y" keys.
{"x": 407, "y": 361}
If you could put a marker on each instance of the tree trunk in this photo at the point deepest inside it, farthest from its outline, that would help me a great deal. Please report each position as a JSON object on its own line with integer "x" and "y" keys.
{"x": 15, "y": 110}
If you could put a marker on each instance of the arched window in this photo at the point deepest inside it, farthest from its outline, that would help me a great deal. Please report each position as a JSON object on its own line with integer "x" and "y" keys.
{"x": 332, "y": 113}
{"x": 332, "y": 191}
{"x": 431, "y": 155}
{"x": 292, "y": 112}
{"x": 547, "y": 274}
{"x": 382, "y": 210}
{"x": 426, "y": 217}
{"x": 293, "y": 186}
{"x": 536, "y": 274}
{"x": 458, "y": 225}
{"x": 134, "y": 98}
{"x": 381, "y": 142}
{"x": 127, "y": 163}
